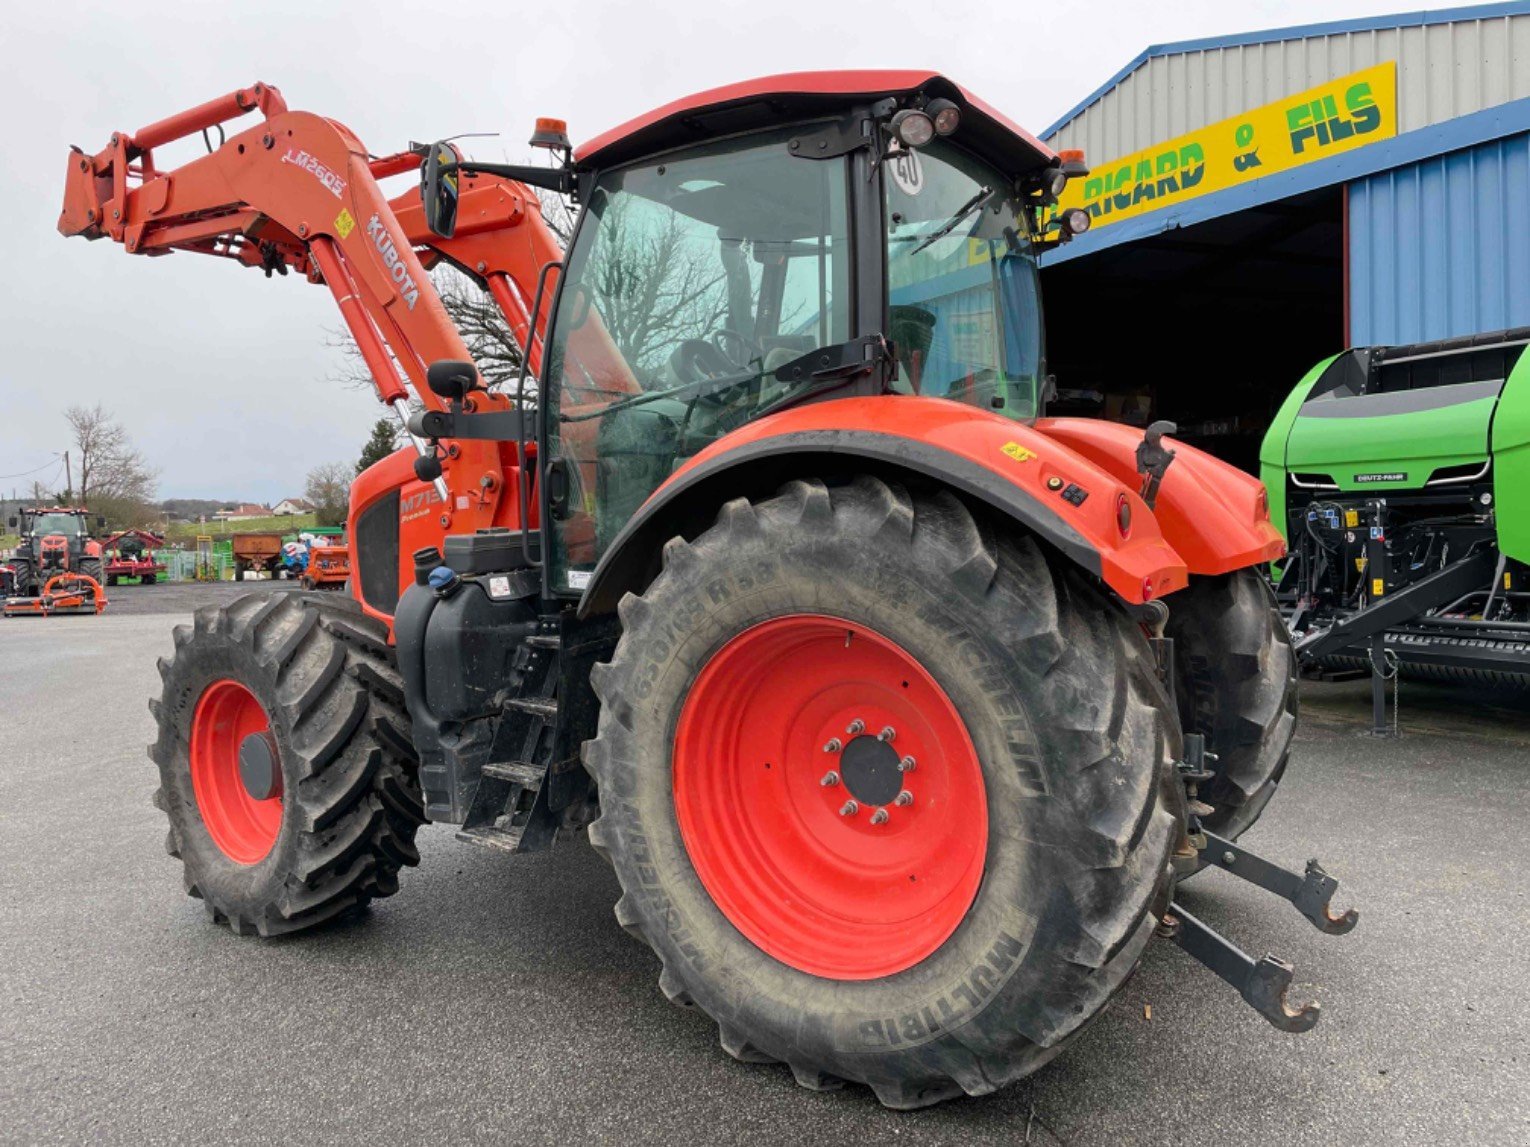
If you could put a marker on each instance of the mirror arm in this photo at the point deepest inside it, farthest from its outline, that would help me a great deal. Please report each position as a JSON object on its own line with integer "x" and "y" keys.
{"x": 556, "y": 179}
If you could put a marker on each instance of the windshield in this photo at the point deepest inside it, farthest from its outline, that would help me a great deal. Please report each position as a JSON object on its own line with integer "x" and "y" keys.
{"x": 68, "y": 524}
{"x": 964, "y": 300}
{"x": 691, "y": 283}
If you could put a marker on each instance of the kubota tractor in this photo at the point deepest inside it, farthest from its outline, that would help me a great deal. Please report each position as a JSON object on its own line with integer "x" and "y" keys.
{"x": 898, "y": 707}
{"x": 54, "y": 540}
{"x": 57, "y": 566}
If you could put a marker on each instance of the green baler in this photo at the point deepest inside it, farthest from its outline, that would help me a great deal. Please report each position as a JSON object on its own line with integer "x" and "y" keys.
{"x": 1401, "y": 477}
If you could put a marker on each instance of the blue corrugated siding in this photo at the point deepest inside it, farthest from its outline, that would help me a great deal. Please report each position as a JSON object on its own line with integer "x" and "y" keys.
{"x": 1442, "y": 247}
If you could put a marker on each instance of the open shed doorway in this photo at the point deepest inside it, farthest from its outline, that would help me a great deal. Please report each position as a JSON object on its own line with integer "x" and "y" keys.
{"x": 1208, "y": 326}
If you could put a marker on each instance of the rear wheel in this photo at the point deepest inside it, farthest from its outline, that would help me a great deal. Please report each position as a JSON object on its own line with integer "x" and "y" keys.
{"x": 285, "y": 764}
{"x": 1236, "y": 683}
{"x": 890, "y": 796}
{"x": 91, "y": 568}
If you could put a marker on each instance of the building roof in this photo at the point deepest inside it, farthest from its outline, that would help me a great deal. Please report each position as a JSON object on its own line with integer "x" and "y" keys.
{"x": 1421, "y": 19}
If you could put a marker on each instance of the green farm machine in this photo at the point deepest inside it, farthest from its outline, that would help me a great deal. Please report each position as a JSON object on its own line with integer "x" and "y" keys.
{"x": 1401, "y": 475}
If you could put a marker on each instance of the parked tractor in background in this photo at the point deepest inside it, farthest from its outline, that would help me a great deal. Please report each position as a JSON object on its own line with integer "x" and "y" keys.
{"x": 1401, "y": 475}
{"x": 899, "y": 708}
{"x": 131, "y": 554}
{"x": 54, "y": 540}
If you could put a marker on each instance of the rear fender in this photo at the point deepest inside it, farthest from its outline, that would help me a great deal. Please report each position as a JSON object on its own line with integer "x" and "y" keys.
{"x": 986, "y": 457}
{"x": 1215, "y": 516}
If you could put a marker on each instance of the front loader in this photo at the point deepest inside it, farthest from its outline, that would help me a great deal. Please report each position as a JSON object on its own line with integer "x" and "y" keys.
{"x": 899, "y": 708}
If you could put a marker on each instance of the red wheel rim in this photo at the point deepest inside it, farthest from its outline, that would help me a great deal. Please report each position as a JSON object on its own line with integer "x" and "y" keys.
{"x": 828, "y": 892}
{"x": 243, "y": 827}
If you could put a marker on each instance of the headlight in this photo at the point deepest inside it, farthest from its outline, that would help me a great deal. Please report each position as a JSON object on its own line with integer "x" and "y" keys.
{"x": 1075, "y": 220}
{"x": 945, "y": 115}
{"x": 913, "y": 128}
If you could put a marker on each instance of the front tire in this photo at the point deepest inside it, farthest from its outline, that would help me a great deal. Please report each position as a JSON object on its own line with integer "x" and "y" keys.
{"x": 302, "y": 696}
{"x": 710, "y": 760}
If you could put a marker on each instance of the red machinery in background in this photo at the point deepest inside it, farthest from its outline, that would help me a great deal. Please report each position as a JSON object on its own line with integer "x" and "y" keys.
{"x": 130, "y": 554}
{"x": 329, "y": 564}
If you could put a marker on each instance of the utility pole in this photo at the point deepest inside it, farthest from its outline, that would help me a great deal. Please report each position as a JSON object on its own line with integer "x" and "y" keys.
{"x": 68, "y": 481}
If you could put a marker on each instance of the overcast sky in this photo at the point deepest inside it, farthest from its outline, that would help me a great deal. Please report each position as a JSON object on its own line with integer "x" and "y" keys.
{"x": 225, "y": 379}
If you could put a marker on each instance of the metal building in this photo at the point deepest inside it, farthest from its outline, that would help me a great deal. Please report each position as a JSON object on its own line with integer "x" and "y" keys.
{"x": 1263, "y": 200}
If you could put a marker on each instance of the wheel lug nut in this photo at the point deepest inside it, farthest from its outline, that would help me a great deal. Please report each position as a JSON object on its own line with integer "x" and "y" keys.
{"x": 887, "y": 733}
{"x": 849, "y": 808}
{"x": 905, "y": 798}
{"x": 829, "y": 779}
{"x": 906, "y": 765}
{"x": 879, "y": 817}
{"x": 856, "y": 727}
{"x": 833, "y": 746}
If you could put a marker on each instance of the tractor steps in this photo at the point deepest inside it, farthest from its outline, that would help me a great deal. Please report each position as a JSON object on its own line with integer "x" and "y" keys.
{"x": 505, "y": 839}
{"x": 543, "y": 707}
{"x": 517, "y": 772}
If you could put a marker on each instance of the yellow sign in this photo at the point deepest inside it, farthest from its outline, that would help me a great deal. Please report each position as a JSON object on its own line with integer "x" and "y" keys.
{"x": 1017, "y": 452}
{"x": 345, "y": 223}
{"x": 1327, "y": 120}
{"x": 1378, "y": 587}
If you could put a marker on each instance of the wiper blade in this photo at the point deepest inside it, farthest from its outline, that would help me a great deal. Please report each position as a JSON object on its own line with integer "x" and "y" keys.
{"x": 699, "y": 389}
{"x": 979, "y": 200}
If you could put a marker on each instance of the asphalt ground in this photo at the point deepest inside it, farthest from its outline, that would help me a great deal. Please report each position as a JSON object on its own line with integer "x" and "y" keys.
{"x": 496, "y": 999}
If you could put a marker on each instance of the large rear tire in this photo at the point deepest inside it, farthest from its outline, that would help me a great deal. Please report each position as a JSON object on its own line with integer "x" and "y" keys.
{"x": 1043, "y": 744}
{"x": 1236, "y": 683}
{"x": 299, "y": 697}
{"x": 91, "y": 568}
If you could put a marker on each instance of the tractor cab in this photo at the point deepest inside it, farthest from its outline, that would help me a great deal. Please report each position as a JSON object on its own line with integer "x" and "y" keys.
{"x": 777, "y": 243}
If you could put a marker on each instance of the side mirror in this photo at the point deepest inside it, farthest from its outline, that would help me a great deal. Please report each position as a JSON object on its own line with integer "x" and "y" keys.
{"x": 438, "y": 189}
{"x": 100, "y": 522}
{"x": 13, "y": 522}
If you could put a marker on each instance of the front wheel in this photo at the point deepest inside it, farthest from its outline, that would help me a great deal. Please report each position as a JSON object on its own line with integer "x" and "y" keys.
{"x": 285, "y": 764}
{"x": 890, "y": 794}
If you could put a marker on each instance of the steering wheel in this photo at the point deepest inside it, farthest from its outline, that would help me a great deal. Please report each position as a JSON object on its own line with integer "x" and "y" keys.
{"x": 696, "y": 360}
{"x": 722, "y": 336}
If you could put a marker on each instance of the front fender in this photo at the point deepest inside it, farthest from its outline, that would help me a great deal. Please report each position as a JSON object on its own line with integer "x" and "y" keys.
{"x": 1215, "y": 516}
{"x": 1052, "y": 490}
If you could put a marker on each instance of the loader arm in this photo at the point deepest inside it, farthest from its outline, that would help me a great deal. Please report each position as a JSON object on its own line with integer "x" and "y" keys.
{"x": 299, "y": 192}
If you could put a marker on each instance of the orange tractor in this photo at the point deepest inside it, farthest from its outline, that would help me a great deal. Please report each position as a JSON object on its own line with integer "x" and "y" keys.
{"x": 899, "y": 708}
{"x": 57, "y": 567}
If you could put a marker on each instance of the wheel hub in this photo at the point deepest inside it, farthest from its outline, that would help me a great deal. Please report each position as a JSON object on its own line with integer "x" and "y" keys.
{"x": 795, "y": 792}
{"x": 870, "y": 771}
{"x": 259, "y": 768}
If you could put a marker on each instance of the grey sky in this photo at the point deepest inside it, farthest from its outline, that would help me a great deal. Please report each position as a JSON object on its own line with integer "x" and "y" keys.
{"x": 223, "y": 378}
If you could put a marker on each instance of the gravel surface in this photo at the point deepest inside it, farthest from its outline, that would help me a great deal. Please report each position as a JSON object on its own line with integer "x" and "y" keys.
{"x": 495, "y": 998}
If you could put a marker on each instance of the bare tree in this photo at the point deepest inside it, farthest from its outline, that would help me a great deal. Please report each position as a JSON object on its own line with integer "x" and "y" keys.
{"x": 653, "y": 287}
{"x": 328, "y": 488}
{"x": 110, "y": 470}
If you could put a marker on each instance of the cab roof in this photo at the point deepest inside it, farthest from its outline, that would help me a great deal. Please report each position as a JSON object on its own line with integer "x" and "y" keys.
{"x": 772, "y": 100}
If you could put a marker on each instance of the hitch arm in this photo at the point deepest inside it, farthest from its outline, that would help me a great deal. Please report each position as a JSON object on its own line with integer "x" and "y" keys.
{"x": 1310, "y": 892}
{"x": 1262, "y": 983}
